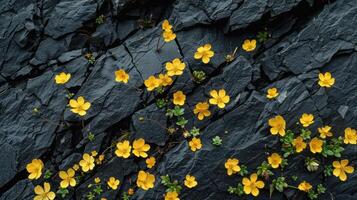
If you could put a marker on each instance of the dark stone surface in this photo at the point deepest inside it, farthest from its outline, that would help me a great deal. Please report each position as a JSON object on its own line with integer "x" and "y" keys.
{"x": 39, "y": 39}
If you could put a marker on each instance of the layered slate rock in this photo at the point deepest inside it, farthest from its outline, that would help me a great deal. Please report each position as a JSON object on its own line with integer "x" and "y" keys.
{"x": 39, "y": 39}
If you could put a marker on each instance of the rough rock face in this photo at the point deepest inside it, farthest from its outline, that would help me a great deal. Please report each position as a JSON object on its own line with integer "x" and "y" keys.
{"x": 39, "y": 39}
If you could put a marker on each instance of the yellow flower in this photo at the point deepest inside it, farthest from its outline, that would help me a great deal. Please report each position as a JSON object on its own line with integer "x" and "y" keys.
{"x": 123, "y": 149}
{"x": 166, "y": 25}
{"x": 113, "y": 183}
{"x": 67, "y": 178}
{"x": 145, "y": 180}
{"x": 168, "y": 35}
{"x": 272, "y": 93}
{"x": 87, "y": 163}
{"x": 140, "y": 148}
{"x": 350, "y": 136}
{"x": 249, "y": 45}
{"x": 299, "y": 144}
{"x": 219, "y": 98}
{"x": 97, "y": 180}
{"x": 179, "y": 98}
{"x": 121, "y": 76}
{"x": 204, "y": 53}
{"x": 325, "y": 131}
{"x": 94, "y": 153}
{"x": 62, "y": 78}
{"x": 175, "y": 67}
{"x": 304, "y": 186}
{"x": 151, "y": 83}
{"x": 232, "y": 166}
{"x": 79, "y": 106}
{"x": 252, "y": 185}
{"x": 100, "y": 159}
{"x": 202, "y": 110}
{"x": 171, "y": 196}
{"x": 165, "y": 79}
{"x": 326, "y": 80}
{"x": 150, "y": 162}
{"x": 277, "y": 125}
{"x": 44, "y": 193}
{"x": 75, "y": 167}
{"x": 275, "y": 160}
{"x": 130, "y": 191}
{"x": 35, "y": 169}
{"x": 195, "y": 144}
{"x": 341, "y": 168}
{"x": 190, "y": 181}
{"x": 306, "y": 119}
{"x": 316, "y": 145}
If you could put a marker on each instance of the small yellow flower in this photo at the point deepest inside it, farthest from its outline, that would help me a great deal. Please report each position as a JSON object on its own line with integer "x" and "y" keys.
{"x": 97, "y": 180}
{"x": 151, "y": 83}
{"x": 67, "y": 178}
{"x": 325, "y": 131}
{"x": 350, "y": 136}
{"x": 341, "y": 168}
{"x": 272, "y": 93}
{"x": 130, "y": 191}
{"x": 150, "y": 162}
{"x": 172, "y": 196}
{"x": 195, "y": 144}
{"x": 121, "y": 76}
{"x": 94, "y": 153}
{"x": 123, "y": 149}
{"x": 219, "y": 98}
{"x": 232, "y": 166}
{"x": 190, "y": 181}
{"x": 326, "y": 80}
{"x": 306, "y": 119}
{"x": 277, "y": 125}
{"x": 252, "y": 185}
{"x": 87, "y": 162}
{"x": 35, "y": 169}
{"x": 140, "y": 148}
{"x": 179, "y": 98}
{"x": 145, "y": 180}
{"x": 299, "y": 144}
{"x": 304, "y": 186}
{"x": 275, "y": 160}
{"x": 201, "y": 109}
{"x": 100, "y": 159}
{"x": 166, "y": 25}
{"x": 249, "y": 45}
{"x": 168, "y": 35}
{"x": 204, "y": 53}
{"x": 316, "y": 145}
{"x": 79, "y": 106}
{"x": 44, "y": 193}
{"x": 75, "y": 167}
{"x": 175, "y": 67}
{"x": 62, "y": 78}
{"x": 113, "y": 183}
{"x": 165, "y": 79}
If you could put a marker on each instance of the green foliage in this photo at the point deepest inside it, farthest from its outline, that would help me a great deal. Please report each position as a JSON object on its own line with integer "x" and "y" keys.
{"x": 195, "y": 132}
{"x": 125, "y": 196}
{"x": 160, "y": 103}
{"x": 181, "y": 121}
{"x": 62, "y": 192}
{"x": 160, "y": 90}
{"x": 177, "y": 112}
{"x": 172, "y": 186}
{"x": 264, "y": 170}
{"x": 199, "y": 76}
{"x": 236, "y": 190}
{"x": 294, "y": 178}
{"x": 217, "y": 141}
{"x": 312, "y": 194}
{"x": 328, "y": 170}
{"x": 47, "y": 174}
{"x": 91, "y": 136}
{"x": 287, "y": 141}
{"x": 305, "y": 134}
{"x": 145, "y": 23}
{"x": 100, "y": 19}
{"x": 263, "y": 36}
{"x": 312, "y": 164}
{"x": 278, "y": 184}
{"x": 243, "y": 170}
{"x": 333, "y": 148}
